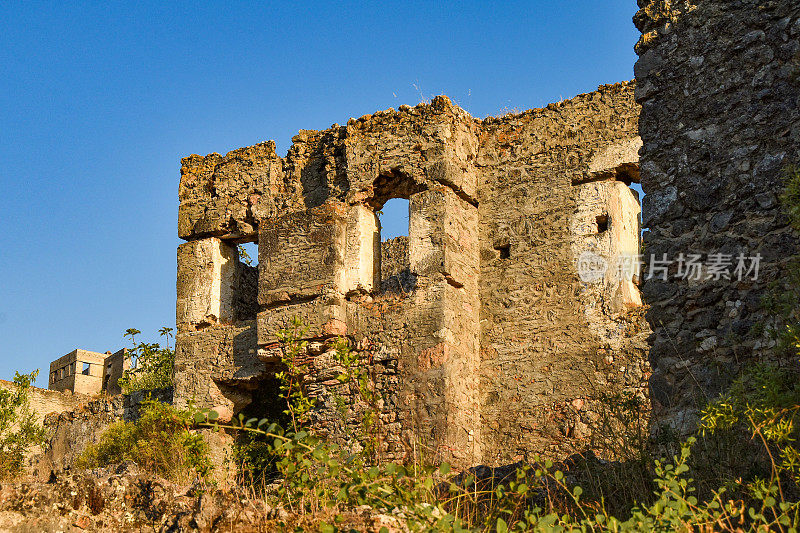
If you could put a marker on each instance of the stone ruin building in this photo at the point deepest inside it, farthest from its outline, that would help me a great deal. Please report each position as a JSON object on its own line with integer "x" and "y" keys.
{"x": 85, "y": 372}
{"x": 484, "y": 339}
{"x": 484, "y": 342}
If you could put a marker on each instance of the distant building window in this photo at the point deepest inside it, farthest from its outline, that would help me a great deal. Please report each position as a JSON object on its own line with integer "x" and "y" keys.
{"x": 86, "y": 367}
{"x": 602, "y": 223}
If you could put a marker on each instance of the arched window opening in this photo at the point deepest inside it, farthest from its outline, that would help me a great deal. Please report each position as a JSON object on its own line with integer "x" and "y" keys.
{"x": 396, "y": 273}
{"x": 394, "y": 219}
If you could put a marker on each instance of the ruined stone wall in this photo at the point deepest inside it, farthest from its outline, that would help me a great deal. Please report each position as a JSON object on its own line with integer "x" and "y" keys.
{"x": 454, "y": 331}
{"x": 319, "y": 258}
{"x": 323, "y": 264}
{"x": 216, "y": 364}
{"x": 215, "y": 357}
{"x": 114, "y": 368}
{"x": 72, "y": 422}
{"x": 70, "y": 432}
{"x": 67, "y": 373}
{"x": 45, "y": 401}
{"x": 718, "y": 84}
{"x": 552, "y": 343}
{"x": 63, "y": 443}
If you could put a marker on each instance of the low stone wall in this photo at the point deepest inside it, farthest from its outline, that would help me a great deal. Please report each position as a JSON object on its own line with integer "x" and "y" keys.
{"x": 69, "y": 433}
{"x": 44, "y": 401}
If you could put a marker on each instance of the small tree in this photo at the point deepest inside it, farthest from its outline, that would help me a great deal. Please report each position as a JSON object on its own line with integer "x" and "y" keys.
{"x": 151, "y": 365}
{"x": 244, "y": 256}
{"x": 19, "y": 431}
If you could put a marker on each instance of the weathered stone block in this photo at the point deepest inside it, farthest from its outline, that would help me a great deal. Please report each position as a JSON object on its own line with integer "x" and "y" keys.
{"x": 615, "y": 159}
{"x": 607, "y": 225}
{"x": 208, "y": 362}
{"x": 301, "y": 254}
{"x": 443, "y": 236}
{"x": 394, "y": 154}
{"x": 324, "y": 316}
{"x": 457, "y": 168}
{"x": 225, "y": 195}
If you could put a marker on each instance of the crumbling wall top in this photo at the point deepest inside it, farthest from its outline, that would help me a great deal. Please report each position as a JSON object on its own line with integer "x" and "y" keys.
{"x": 391, "y": 153}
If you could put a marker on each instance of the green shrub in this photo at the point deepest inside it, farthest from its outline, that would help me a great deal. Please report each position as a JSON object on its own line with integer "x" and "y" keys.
{"x": 151, "y": 365}
{"x": 290, "y": 377}
{"x": 782, "y": 299}
{"x": 19, "y": 431}
{"x": 790, "y": 198}
{"x": 763, "y": 404}
{"x": 161, "y": 441}
{"x": 317, "y": 476}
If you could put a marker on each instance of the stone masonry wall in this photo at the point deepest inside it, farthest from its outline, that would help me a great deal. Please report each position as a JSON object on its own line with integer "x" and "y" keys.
{"x": 70, "y": 432}
{"x": 718, "y": 84}
{"x": 62, "y": 447}
{"x": 395, "y": 266}
{"x": 216, "y": 364}
{"x": 44, "y": 401}
{"x": 473, "y": 323}
{"x": 552, "y": 343}
{"x": 73, "y": 421}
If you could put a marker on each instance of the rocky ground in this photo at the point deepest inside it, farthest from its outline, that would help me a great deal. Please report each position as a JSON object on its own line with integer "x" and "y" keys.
{"x": 123, "y": 499}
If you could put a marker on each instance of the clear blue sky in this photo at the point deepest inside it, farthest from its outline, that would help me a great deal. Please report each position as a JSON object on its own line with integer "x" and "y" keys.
{"x": 99, "y": 101}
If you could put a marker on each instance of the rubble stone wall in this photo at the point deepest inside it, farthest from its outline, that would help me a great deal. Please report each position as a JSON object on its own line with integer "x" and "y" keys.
{"x": 550, "y": 342}
{"x": 718, "y": 84}
{"x": 75, "y": 425}
{"x": 45, "y": 401}
{"x": 396, "y": 266}
{"x": 73, "y": 421}
{"x": 70, "y": 432}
